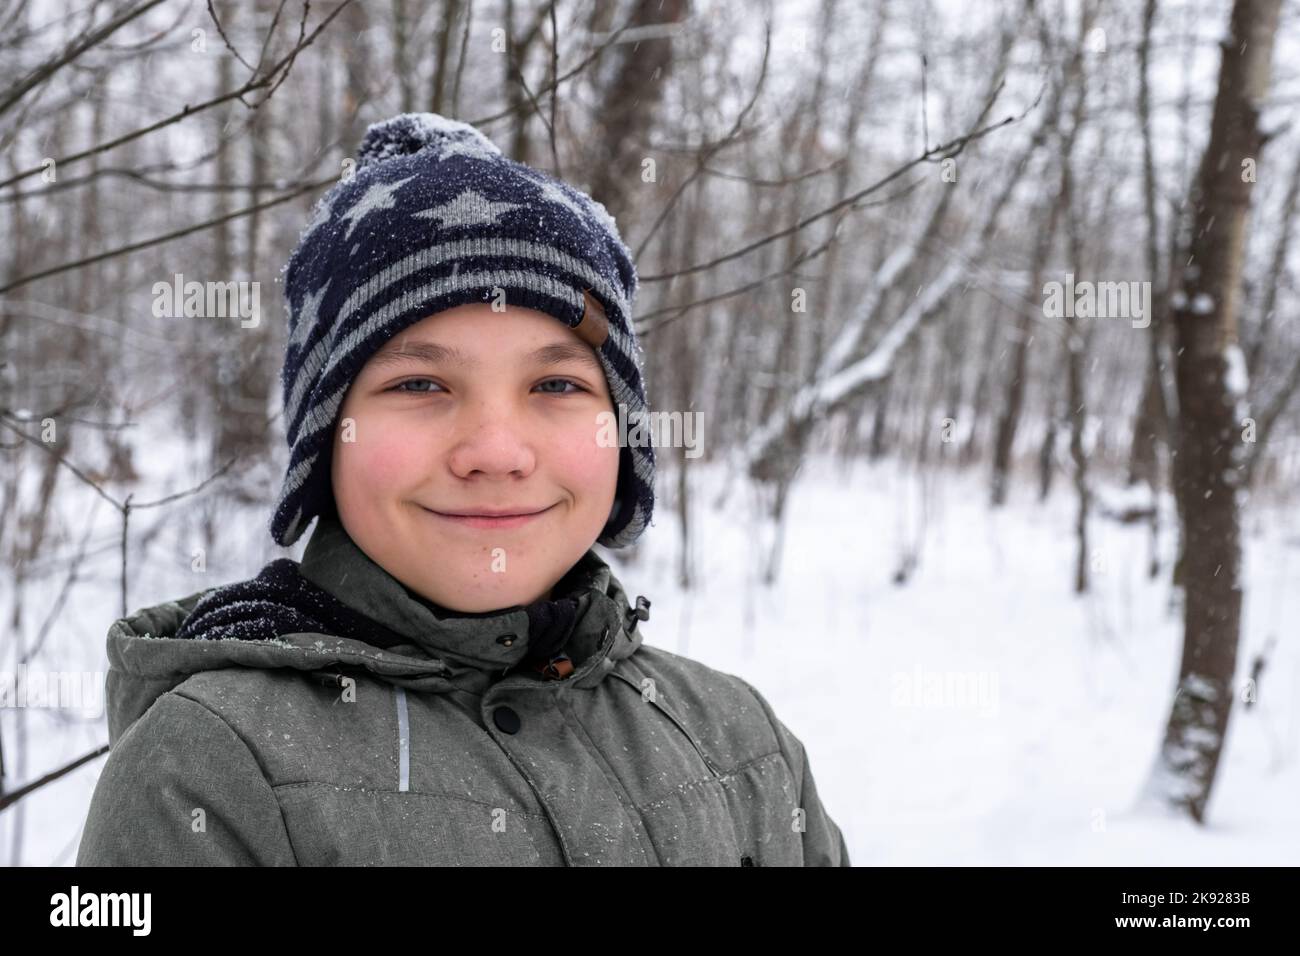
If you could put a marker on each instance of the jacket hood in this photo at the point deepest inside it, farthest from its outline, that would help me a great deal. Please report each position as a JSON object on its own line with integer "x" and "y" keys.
{"x": 445, "y": 651}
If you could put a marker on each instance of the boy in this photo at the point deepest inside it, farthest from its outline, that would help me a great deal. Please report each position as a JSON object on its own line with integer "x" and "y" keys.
{"x": 452, "y": 675}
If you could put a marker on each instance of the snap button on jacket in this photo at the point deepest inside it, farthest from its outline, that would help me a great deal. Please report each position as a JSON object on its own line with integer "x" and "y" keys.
{"x": 318, "y": 750}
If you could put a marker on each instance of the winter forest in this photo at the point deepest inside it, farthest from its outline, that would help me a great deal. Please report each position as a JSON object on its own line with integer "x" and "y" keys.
{"x": 976, "y": 327}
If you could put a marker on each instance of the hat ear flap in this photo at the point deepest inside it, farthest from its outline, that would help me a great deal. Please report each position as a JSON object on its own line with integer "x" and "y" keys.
{"x": 624, "y": 497}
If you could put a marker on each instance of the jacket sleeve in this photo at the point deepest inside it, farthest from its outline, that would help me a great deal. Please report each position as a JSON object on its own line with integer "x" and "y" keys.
{"x": 823, "y": 843}
{"x": 181, "y": 788}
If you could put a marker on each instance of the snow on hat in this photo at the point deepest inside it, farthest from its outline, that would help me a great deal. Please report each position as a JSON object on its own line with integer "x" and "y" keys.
{"x": 433, "y": 217}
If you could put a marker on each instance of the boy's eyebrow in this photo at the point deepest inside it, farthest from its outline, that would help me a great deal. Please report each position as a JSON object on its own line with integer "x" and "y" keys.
{"x": 434, "y": 354}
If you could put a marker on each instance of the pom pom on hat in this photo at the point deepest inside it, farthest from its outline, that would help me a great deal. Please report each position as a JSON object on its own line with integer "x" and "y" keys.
{"x": 409, "y": 133}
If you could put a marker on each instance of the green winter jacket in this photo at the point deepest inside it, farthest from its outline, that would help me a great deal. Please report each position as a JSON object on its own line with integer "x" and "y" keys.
{"x": 318, "y": 751}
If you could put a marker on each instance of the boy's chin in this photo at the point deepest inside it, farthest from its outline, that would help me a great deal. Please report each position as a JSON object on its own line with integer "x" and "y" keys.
{"x": 474, "y": 579}
{"x": 473, "y": 597}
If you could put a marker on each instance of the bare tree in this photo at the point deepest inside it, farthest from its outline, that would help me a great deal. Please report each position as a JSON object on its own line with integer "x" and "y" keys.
{"x": 1210, "y": 462}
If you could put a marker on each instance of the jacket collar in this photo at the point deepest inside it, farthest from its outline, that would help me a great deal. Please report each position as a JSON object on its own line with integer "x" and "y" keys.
{"x": 476, "y": 646}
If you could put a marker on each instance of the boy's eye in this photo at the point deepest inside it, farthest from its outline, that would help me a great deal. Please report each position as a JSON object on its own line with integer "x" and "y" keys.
{"x": 562, "y": 381}
{"x": 401, "y": 386}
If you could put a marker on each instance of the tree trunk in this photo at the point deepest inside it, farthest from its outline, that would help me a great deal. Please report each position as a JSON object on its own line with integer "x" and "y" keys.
{"x": 1076, "y": 348}
{"x": 1009, "y": 417}
{"x": 1210, "y": 374}
{"x": 246, "y": 367}
{"x": 628, "y": 102}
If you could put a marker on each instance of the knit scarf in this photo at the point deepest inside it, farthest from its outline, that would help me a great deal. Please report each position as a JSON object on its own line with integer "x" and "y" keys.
{"x": 281, "y": 601}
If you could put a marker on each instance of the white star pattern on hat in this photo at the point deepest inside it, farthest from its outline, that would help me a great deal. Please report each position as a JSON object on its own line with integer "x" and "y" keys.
{"x": 469, "y": 208}
{"x": 307, "y": 314}
{"x": 378, "y": 196}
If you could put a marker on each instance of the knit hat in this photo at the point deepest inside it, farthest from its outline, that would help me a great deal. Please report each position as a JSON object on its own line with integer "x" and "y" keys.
{"x": 433, "y": 217}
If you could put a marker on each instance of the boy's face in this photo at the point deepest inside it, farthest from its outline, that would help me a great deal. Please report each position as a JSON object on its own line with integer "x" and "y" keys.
{"x": 464, "y": 413}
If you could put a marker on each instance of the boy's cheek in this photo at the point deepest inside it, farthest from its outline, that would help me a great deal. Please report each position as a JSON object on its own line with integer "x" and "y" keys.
{"x": 588, "y": 462}
{"x": 384, "y": 456}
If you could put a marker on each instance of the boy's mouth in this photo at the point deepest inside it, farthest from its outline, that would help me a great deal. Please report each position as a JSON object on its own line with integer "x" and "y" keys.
{"x": 492, "y": 517}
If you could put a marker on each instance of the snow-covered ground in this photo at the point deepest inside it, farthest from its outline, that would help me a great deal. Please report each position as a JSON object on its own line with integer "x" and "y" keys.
{"x": 980, "y": 713}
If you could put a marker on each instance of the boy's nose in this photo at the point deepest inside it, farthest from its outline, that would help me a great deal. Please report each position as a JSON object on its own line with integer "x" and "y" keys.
{"x": 491, "y": 446}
